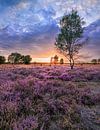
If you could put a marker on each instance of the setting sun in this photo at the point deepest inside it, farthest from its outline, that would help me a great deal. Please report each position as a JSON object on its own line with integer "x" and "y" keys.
{"x": 41, "y": 60}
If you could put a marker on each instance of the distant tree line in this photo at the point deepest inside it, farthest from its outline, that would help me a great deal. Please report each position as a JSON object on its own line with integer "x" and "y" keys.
{"x": 16, "y": 58}
{"x": 95, "y": 61}
{"x": 56, "y": 60}
{"x": 61, "y": 61}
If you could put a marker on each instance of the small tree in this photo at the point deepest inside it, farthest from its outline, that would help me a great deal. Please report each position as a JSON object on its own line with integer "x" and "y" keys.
{"x": 94, "y": 61}
{"x": 67, "y": 41}
{"x": 27, "y": 59}
{"x": 15, "y": 58}
{"x": 61, "y": 61}
{"x": 98, "y": 61}
{"x": 56, "y": 59}
{"x": 2, "y": 59}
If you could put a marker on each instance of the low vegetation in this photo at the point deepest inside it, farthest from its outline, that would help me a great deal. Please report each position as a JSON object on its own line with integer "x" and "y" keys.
{"x": 49, "y": 98}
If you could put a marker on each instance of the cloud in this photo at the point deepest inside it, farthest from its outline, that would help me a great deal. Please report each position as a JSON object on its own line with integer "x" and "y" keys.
{"x": 92, "y": 47}
{"x": 34, "y": 11}
{"x": 4, "y": 4}
{"x": 33, "y": 24}
{"x": 9, "y": 2}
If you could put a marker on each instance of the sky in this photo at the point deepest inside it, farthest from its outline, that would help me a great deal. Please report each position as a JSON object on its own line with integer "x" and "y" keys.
{"x": 31, "y": 26}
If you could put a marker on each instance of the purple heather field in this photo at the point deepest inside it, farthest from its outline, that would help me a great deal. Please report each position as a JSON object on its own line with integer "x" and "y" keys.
{"x": 50, "y": 98}
{"x": 49, "y": 64}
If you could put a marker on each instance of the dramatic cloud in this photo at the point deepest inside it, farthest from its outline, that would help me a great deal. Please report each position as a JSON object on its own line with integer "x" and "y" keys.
{"x": 29, "y": 26}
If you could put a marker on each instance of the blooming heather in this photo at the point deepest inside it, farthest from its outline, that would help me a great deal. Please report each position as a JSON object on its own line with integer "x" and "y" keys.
{"x": 46, "y": 98}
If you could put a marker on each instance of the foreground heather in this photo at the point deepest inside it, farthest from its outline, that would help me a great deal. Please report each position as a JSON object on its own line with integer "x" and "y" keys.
{"x": 49, "y": 98}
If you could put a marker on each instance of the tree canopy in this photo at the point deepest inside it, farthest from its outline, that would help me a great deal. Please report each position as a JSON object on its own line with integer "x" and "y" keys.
{"x": 27, "y": 59}
{"x": 16, "y": 58}
{"x": 2, "y": 59}
{"x": 56, "y": 59}
{"x": 61, "y": 61}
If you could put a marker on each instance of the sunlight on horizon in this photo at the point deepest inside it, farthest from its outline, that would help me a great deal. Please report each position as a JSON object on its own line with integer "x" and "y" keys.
{"x": 47, "y": 60}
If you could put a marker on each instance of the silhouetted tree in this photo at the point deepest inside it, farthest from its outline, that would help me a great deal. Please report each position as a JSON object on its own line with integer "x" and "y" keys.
{"x": 15, "y": 58}
{"x": 2, "y": 59}
{"x": 67, "y": 41}
{"x": 56, "y": 59}
{"x": 98, "y": 61}
{"x": 27, "y": 59}
{"x": 94, "y": 61}
{"x": 61, "y": 61}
